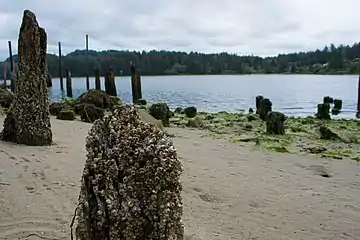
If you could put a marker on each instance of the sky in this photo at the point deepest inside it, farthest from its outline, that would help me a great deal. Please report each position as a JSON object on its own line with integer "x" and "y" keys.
{"x": 258, "y": 27}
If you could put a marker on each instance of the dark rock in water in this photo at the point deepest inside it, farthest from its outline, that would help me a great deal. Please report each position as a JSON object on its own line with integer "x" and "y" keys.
{"x": 56, "y": 107}
{"x": 179, "y": 110}
{"x": 130, "y": 187}
{"x": 265, "y": 108}
{"x": 190, "y": 112}
{"x": 161, "y": 111}
{"x": 251, "y": 117}
{"x": 258, "y": 101}
{"x": 66, "y": 114}
{"x": 251, "y": 110}
{"x": 28, "y": 121}
{"x": 328, "y": 99}
{"x": 141, "y": 102}
{"x": 275, "y": 123}
{"x": 6, "y": 98}
{"x": 89, "y": 112}
{"x": 323, "y": 111}
{"x": 98, "y": 98}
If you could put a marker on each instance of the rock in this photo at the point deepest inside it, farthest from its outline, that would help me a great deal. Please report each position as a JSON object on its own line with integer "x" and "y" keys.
{"x": 249, "y": 127}
{"x": 320, "y": 170}
{"x": 275, "y": 123}
{"x": 130, "y": 197}
{"x": 327, "y": 133}
{"x": 28, "y": 121}
{"x": 196, "y": 122}
{"x": 141, "y": 101}
{"x": 265, "y": 108}
{"x": 179, "y": 110}
{"x": 161, "y": 111}
{"x": 315, "y": 149}
{"x": 89, "y": 112}
{"x": 190, "y": 112}
{"x": 323, "y": 111}
{"x": 251, "y": 117}
{"x": 56, "y": 107}
{"x": 258, "y": 101}
{"x": 251, "y": 110}
{"x": 146, "y": 117}
{"x": 98, "y": 98}
{"x": 328, "y": 100}
{"x": 66, "y": 114}
{"x": 6, "y": 98}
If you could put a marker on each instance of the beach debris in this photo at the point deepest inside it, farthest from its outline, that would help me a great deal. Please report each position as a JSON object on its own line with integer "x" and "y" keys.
{"x": 265, "y": 108}
{"x": 28, "y": 121}
{"x": 275, "y": 123}
{"x": 337, "y": 107}
{"x": 320, "y": 170}
{"x": 161, "y": 111}
{"x": 328, "y": 133}
{"x": 6, "y": 98}
{"x": 190, "y": 112}
{"x": 196, "y": 122}
{"x": 66, "y": 114}
{"x": 130, "y": 187}
{"x": 89, "y": 113}
{"x": 258, "y": 101}
{"x": 328, "y": 99}
{"x": 323, "y": 111}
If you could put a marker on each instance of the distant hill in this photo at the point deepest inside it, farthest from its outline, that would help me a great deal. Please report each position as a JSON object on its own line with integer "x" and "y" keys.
{"x": 330, "y": 60}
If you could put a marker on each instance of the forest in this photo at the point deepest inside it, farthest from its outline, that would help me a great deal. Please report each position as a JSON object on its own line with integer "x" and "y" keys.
{"x": 342, "y": 59}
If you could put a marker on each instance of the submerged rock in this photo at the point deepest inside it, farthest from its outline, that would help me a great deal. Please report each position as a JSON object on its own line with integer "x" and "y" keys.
{"x": 28, "y": 121}
{"x": 275, "y": 123}
{"x": 130, "y": 187}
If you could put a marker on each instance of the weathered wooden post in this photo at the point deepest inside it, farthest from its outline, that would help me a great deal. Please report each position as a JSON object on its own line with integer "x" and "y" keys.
{"x": 97, "y": 79}
{"x": 69, "y": 93}
{"x": 5, "y": 74}
{"x": 12, "y": 80}
{"x": 110, "y": 79}
{"x": 87, "y": 62}
{"x": 60, "y": 69}
{"x": 135, "y": 84}
{"x": 49, "y": 79}
{"x": 358, "y": 100}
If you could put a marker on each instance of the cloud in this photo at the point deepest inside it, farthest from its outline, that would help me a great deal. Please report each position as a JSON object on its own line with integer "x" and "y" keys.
{"x": 259, "y": 27}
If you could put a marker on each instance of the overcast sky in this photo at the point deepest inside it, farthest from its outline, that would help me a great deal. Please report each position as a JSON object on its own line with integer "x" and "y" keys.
{"x": 259, "y": 27}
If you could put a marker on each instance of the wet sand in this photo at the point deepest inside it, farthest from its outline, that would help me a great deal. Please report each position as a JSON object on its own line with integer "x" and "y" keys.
{"x": 230, "y": 191}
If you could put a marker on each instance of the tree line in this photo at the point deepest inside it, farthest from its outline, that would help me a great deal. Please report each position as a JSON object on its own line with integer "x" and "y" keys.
{"x": 342, "y": 59}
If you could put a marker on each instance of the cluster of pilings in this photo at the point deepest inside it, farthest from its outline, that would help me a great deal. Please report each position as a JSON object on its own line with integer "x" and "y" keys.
{"x": 110, "y": 83}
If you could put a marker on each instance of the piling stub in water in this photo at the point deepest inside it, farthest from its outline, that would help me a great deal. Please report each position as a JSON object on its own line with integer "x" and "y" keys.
{"x": 97, "y": 79}
{"x": 28, "y": 121}
{"x": 337, "y": 106}
{"x": 265, "y": 108}
{"x": 69, "y": 92}
{"x": 258, "y": 100}
{"x": 122, "y": 197}
{"x": 323, "y": 111}
{"x": 328, "y": 99}
{"x": 275, "y": 123}
{"x": 110, "y": 86}
{"x": 49, "y": 79}
{"x": 135, "y": 84}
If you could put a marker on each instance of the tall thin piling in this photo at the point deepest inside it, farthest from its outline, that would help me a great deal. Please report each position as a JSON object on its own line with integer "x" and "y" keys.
{"x": 87, "y": 62}
{"x": 97, "y": 79}
{"x": 135, "y": 84}
{"x": 60, "y": 69}
{"x": 12, "y": 80}
{"x": 69, "y": 93}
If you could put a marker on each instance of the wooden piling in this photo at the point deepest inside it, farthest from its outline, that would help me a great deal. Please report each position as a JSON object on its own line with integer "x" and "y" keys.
{"x": 135, "y": 84}
{"x": 110, "y": 82}
{"x": 87, "y": 62}
{"x": 49, "y": 79}
{"x": 12, "y": 80}
{"x": 5, "y": 74}
{"x": 60, "y": 69}
{"x": 69, "y": 93}
{"x": 97, "y": 79}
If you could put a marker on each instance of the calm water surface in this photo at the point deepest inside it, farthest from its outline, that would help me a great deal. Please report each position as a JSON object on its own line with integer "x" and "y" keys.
{"x": 291, "y": 94}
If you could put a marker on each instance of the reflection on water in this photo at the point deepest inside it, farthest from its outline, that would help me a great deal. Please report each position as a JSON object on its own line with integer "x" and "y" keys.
{"x": 292, "y": 94}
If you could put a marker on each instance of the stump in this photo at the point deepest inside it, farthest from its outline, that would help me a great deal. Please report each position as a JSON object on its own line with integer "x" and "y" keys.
{"x": 97, "y": 79}
{"x": 127, "y": 197}
{"x": 265, "y": 108}
{"x": 28, "y": 121}
{"x": 323, "y": 111}
{"x": 258, "y": 100}
{"x": 110, "y": 86}
{"x": 275, "y": 123}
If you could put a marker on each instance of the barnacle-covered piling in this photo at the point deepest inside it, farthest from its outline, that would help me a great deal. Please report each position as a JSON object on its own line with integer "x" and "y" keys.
{"x": 130, "y": 187}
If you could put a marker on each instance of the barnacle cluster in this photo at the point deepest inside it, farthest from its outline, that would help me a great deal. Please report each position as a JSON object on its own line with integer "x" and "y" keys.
{"x": 130, "y": 187}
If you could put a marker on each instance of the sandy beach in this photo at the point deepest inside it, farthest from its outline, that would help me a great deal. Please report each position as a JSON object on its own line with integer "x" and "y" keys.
{"x": 231, "y": 191}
